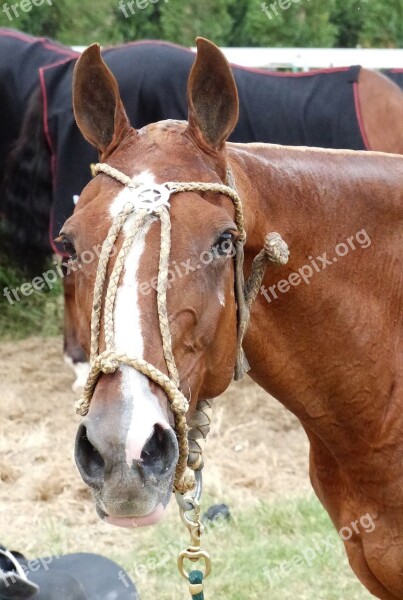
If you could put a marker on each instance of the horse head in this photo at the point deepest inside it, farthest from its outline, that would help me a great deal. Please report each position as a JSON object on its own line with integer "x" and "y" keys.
{"x": 127, "y": 447}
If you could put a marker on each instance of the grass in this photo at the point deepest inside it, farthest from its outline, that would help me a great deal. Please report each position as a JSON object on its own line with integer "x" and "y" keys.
{"x": 37, "y": 314}
{"x": 275, "y": 551}
{"x": 254, "y": 555}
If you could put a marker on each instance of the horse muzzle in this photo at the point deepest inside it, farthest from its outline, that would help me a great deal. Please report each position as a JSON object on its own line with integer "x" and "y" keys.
{"x": 131, "y": 480}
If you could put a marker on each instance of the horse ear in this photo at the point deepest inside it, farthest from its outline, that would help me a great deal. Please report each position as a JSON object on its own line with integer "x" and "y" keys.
{"x": 98, "y": 109}
{"x": 212, "y": 96}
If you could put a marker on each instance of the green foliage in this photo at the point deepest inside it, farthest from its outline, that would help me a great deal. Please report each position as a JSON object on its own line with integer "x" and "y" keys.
{"x": 344, "y": 23}
{"x": 182, "y": 20}
{"x": 40, "y": 313}
{"x": 82, "y": 22}
{"x": 37, "y": 21}
{"x": 348, "y": 18}
{"x": 368, "y": 23}
{"x": 143, "y": 24}
{"x": 303, "y": 23}
{"x": 238, "y": 11}
{"x": 383, "y": 24}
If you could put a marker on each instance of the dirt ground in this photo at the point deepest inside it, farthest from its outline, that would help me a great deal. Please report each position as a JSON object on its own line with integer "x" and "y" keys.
{"x": 256, "y": 450}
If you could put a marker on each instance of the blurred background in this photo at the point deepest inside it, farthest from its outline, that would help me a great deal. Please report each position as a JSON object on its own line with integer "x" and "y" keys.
{"x": 314, "y": 23}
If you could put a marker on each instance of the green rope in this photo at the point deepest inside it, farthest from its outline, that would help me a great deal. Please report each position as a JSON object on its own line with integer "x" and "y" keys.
{"x": 194, "y": 578}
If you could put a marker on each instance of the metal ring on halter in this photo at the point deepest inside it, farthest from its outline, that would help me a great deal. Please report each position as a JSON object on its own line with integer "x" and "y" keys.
{"x": 185, "y": 501}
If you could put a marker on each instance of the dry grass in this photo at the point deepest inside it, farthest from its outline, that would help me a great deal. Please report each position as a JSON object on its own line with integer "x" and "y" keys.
{"x": 256, "y": 453}
{"x": 256, "y": 449}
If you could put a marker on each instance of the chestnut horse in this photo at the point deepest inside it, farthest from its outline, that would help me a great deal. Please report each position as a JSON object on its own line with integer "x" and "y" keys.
{"x": 379, "y": 110}
{"x": 327, "y": 345}
{"x": 339, "y": 108}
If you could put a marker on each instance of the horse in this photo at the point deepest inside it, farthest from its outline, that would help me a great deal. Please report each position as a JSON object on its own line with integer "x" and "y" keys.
{"x": 50, "y": 162}
{"x": 322, "y": 332}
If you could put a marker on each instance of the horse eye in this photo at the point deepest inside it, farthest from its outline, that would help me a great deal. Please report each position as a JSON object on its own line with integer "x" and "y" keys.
{"x": 224, "y": 245}
{"x": 69, "y": 248}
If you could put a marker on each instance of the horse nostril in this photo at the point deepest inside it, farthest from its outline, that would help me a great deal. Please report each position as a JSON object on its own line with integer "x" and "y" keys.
{"x": 160, "y": 452}
{"x": 88, "y": 459}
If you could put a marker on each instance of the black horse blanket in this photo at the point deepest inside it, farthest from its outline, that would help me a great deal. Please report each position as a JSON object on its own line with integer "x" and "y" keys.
{"x": 21, "y": 57}
{"x": 78, "y": 576}
{"x": 318, "y": 108}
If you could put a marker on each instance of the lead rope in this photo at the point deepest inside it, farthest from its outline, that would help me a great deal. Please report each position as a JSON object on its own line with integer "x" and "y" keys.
{"x": 153, "y": 203}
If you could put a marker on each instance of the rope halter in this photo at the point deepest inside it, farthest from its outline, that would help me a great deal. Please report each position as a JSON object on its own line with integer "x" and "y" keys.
{"x": 146, "y": 202}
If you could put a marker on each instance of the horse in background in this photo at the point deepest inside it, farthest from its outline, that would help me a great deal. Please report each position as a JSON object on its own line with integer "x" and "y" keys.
{"x": 49, "y": 162}
{"x": 25, "y": 165}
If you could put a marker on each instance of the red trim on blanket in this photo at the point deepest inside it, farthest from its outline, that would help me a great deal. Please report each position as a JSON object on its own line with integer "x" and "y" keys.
{"x": 43, "y": 41}
{"x": 359, "y": 116}
{"x": 65, "y": 51}
{"x": 147, "y": 43}
{"x": 290, "y": 74}
{"x": 17, "y": 34}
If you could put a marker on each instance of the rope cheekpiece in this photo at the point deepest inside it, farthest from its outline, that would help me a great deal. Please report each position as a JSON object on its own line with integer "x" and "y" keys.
{"x": 153, "y": 202}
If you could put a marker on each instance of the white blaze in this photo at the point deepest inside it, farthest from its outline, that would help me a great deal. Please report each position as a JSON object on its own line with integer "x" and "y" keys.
{"x": 143, "y": 404}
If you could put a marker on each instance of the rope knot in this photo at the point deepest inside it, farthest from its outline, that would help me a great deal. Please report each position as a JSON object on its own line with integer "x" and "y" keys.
{"x": 128, "y": 208}
{"x": 276, "y": 249}
{"x": 82, "y": 405}
{"x": 107, "y": 363}
{"x": 179, "y": 404}
{"x": 186, "y": 483}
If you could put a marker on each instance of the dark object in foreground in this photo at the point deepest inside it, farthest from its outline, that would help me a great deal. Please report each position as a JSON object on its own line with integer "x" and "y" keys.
{"x": 217, "y": 512}
{"x": 78, "y": 576}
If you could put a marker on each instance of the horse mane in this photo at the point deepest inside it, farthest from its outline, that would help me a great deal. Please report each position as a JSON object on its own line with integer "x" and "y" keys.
{"x": 26, "y": 193}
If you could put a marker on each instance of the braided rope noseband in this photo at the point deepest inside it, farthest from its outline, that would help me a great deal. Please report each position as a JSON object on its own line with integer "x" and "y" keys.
{"x": 154, "y": 202}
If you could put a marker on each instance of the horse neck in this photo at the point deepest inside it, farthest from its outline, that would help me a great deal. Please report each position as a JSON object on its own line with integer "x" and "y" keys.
{"x": 305, "y": 341}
